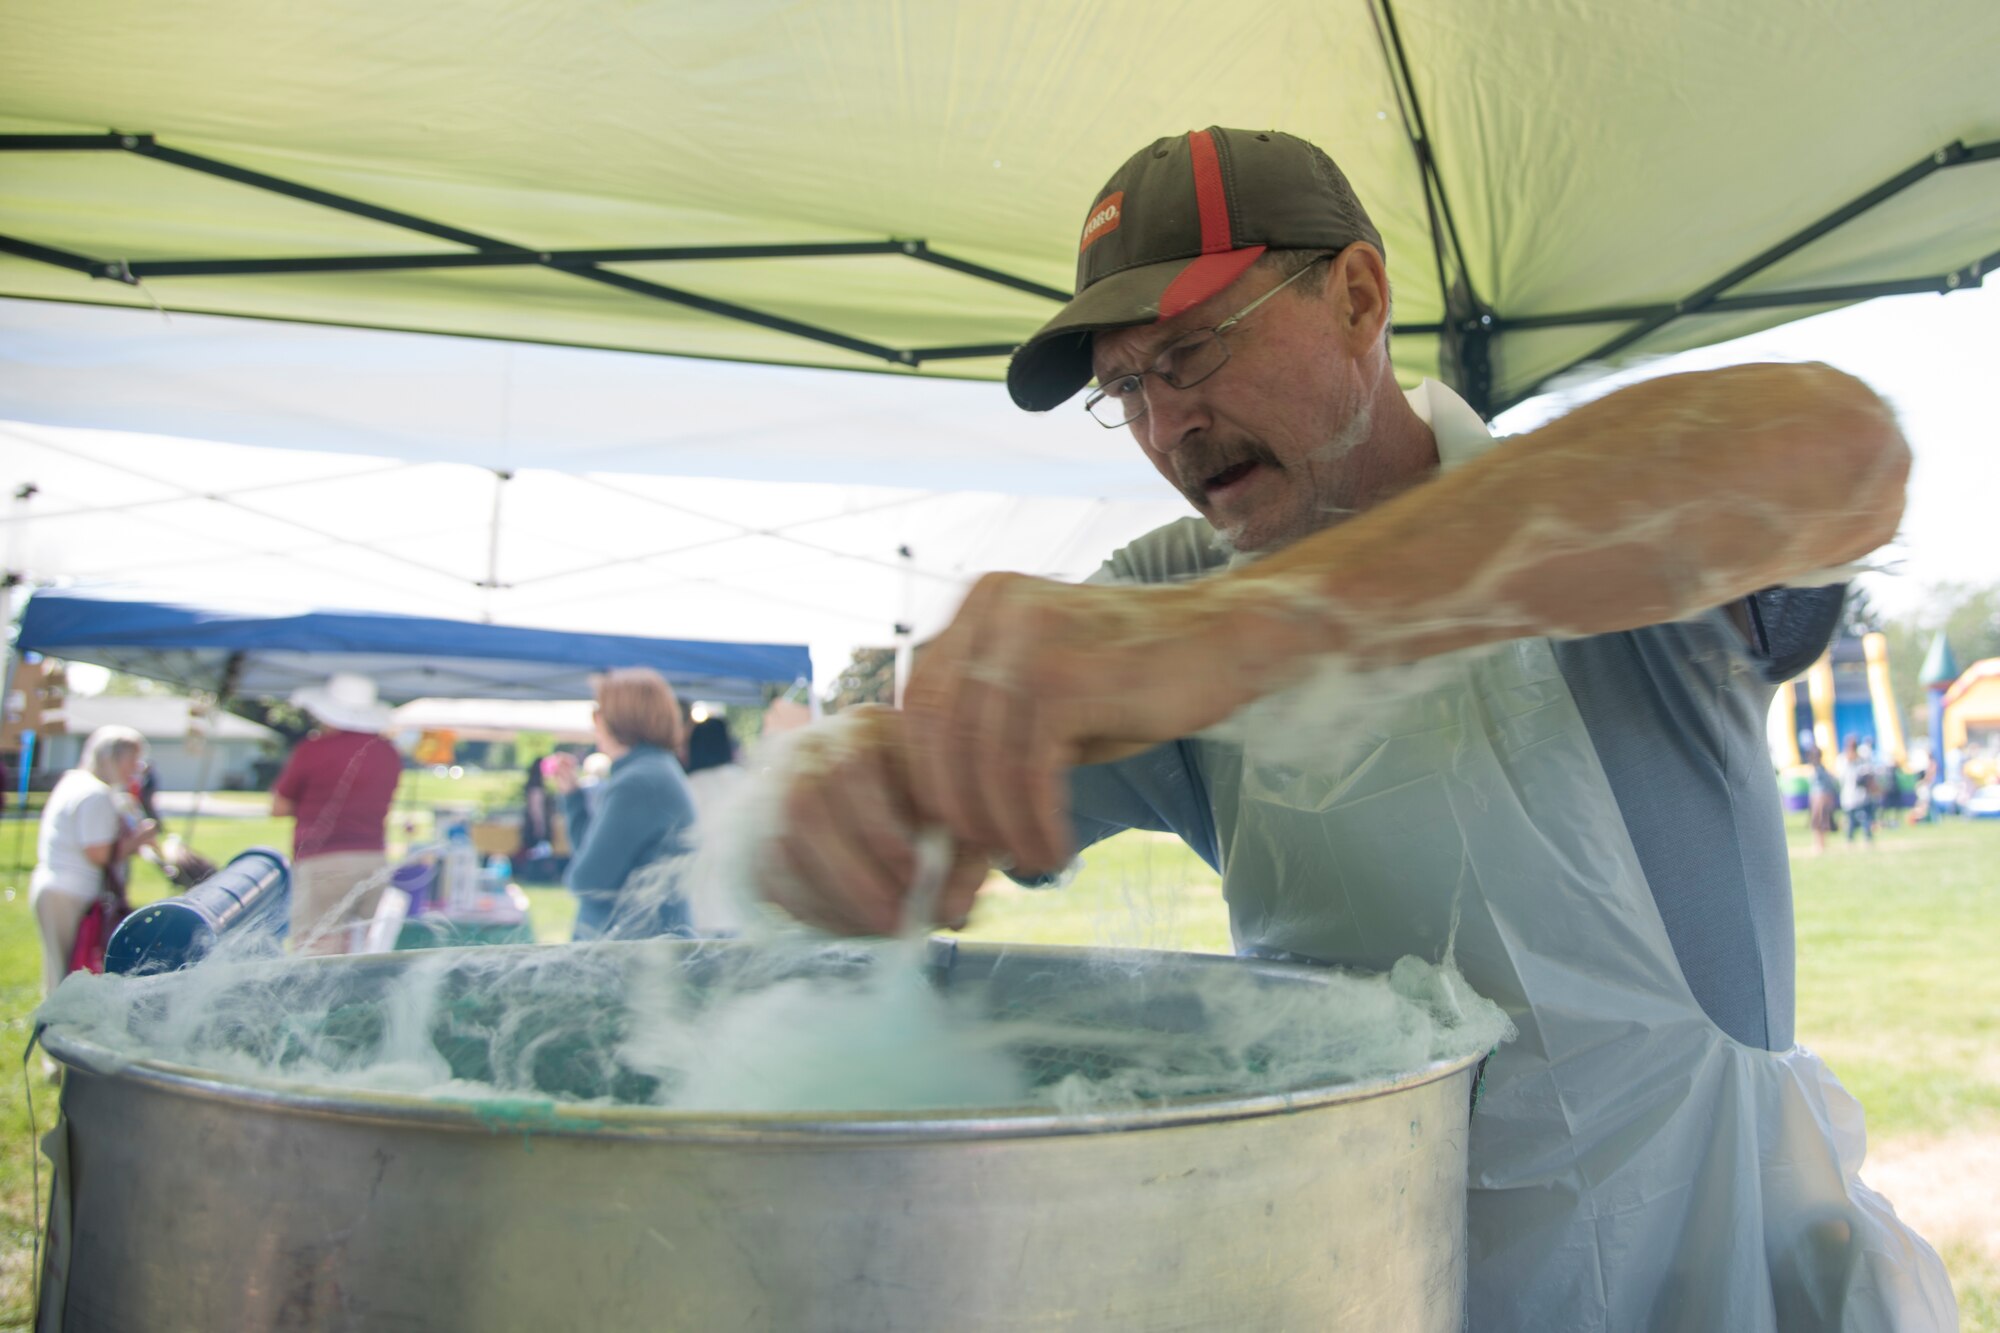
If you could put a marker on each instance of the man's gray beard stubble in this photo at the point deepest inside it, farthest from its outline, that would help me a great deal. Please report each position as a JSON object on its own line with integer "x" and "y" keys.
{"x": 1330, "y": 455}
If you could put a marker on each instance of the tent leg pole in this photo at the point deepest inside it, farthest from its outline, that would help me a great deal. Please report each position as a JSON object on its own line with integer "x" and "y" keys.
{"x": 906, "y": 627}
{"x": 201, "y": 791}
{"x": 500, "y": 480}
{"x": 27, "y": 765}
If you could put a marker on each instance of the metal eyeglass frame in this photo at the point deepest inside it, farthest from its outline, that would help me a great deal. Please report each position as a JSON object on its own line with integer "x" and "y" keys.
{"x": 1196, "y": 338}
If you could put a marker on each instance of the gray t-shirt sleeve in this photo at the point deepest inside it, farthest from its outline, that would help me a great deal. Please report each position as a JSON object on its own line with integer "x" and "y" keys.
{"x": 1155, "y": 790}
{"x": 1185, "y": 549}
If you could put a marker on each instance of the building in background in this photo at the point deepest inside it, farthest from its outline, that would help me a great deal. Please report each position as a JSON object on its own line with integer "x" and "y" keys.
{"x": 216, "y": 751}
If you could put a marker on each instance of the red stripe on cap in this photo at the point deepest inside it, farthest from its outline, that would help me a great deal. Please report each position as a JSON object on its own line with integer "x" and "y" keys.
{"x": 1204, "y": 277}
{"x": 1209, "y": 196}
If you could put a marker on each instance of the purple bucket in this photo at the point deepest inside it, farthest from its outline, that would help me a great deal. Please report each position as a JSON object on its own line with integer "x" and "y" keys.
{"x": 416, "y": 879}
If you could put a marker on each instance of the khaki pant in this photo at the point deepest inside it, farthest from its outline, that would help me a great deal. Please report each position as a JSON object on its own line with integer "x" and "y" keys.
{"x": 325, "y": 901}
{"x": 58, "y": 914}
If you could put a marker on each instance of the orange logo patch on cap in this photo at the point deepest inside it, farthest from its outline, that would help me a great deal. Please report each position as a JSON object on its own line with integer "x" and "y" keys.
{"x": 1103, "y": 219}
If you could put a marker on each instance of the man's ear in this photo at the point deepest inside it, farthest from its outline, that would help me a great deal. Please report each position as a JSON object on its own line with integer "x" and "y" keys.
{"x": 1360, "y": 285}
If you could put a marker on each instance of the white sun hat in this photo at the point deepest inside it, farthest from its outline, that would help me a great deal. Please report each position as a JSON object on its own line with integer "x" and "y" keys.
{"x": 346, "y": 702}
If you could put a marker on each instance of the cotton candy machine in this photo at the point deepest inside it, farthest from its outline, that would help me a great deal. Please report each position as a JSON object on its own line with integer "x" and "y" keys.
{"x": 192, "y": 1200}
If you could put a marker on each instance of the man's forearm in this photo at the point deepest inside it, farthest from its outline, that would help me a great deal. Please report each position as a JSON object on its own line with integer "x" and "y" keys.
{"x": 1649, "y": 505}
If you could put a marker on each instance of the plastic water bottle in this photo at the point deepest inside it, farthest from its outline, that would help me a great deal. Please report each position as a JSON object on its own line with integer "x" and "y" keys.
{"x": 493, "y": 882}
{"x": 461, "y": 870}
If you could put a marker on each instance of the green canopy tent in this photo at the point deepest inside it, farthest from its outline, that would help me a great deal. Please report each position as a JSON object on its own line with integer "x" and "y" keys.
{"x": 897, "y": 186}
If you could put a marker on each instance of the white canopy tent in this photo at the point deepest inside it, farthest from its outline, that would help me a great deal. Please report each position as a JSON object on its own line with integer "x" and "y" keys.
{"x": 509, "y": 405}
{"x": 671, "y": 557}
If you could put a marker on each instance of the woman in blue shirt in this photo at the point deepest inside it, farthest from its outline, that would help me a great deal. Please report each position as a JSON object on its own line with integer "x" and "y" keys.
{"x": 640, "y": 814}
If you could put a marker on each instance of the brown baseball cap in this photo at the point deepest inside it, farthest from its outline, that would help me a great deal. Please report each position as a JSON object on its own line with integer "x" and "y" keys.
{"x": 1179, "y": 222}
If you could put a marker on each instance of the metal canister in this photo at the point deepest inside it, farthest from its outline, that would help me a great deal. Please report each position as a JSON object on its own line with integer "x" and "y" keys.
{"x": 250, "y": 895}
{"x": 190, "y": 1201}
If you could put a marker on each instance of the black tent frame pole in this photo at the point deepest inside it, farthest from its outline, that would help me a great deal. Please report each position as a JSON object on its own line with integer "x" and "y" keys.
{"x": 1469, "y": 326}
{"x": 1944, "y": 284}
{"x": 558, "y": 259}
{"x": 490, "y": 252}
{"x": 146, "y": 146}
{"x": 69, "y": 259}
{"x": 919, "y": 250}
{"x": 1709, "y": 300}
{"x": 1466, "y": 331}
{"x": 66, "y": 143}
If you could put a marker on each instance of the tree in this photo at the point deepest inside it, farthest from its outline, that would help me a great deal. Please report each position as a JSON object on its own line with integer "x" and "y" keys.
{"x": 870, "y": 678}
{"x": 1969, "y": 615}
{"x": 1973, "y": 622}
{"x": 746, "y": 724}
{"x": 288, "y": 720}
{"x": 123, "y": 685}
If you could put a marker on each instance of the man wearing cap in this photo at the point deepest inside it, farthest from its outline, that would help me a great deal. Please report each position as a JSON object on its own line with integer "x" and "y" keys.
{"x": 337, "y": 787}
{"x": 1570, "y": 785}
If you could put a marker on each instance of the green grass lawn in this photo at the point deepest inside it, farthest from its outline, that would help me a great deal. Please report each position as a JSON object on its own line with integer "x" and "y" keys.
{"x": 1897, "y": 991}
{"x": 1138, "y": 890}
{"x": 1896, "y": 985}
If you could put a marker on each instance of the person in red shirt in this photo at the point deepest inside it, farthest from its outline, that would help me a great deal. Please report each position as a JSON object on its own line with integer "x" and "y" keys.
{"x": 337, "y": 787}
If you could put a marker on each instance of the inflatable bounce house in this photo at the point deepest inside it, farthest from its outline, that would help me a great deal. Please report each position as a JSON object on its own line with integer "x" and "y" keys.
{"x": 1847, "y": 693}
{"x": 1967, "y": 710}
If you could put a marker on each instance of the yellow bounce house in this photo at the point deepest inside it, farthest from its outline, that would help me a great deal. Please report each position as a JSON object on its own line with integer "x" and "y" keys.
{"x": 1972, "y": 721}
{"x": 1847, "y": 693}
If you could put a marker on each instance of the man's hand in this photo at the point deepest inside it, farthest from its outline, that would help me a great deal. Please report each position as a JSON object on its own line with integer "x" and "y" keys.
{"x": 845, "y": 857}
{"x": 1034, "y": 677}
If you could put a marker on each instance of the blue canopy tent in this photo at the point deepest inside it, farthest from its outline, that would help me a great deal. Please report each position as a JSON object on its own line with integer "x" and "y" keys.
{"x": 237, "y": 652}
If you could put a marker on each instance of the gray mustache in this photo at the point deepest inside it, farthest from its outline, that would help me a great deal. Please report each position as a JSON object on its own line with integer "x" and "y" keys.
{"x": 1197, "y": 462}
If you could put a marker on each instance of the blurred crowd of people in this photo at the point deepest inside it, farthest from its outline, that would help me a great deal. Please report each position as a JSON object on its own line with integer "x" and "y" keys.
{"x": 630, "y": 809}
{"x": 624, "y": 815}
{"x": 1857, "y": 791}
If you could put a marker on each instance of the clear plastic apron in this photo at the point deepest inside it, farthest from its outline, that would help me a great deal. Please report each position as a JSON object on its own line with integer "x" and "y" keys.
{"x": 1632, "y": 1166}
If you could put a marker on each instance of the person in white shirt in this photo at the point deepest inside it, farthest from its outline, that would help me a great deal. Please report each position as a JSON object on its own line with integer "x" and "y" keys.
{"x": 1857, "y": 789}
{"x": 86, "y": 837}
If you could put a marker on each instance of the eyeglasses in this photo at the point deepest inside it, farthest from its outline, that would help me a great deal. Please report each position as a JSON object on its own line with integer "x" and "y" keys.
{"x": 1182, "y": 365}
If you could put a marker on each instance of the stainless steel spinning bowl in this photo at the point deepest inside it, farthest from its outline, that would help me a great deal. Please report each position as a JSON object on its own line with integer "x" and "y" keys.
{"x": 190, "y": 1202}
